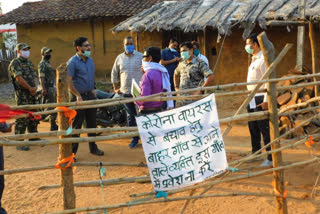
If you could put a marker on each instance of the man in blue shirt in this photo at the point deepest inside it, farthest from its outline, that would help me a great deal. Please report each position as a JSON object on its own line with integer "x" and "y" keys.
{"x": 82, "y": 84}
{"x": 170, "y": 59}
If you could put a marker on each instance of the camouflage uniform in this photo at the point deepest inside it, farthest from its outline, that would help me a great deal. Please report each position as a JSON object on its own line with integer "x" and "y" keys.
{"x": 191, "y": 76}
{"x": 49, "y": 74}
{"x": 24, "y": 68}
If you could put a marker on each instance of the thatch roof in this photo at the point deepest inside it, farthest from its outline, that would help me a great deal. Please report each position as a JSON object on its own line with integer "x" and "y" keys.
{"x": 194, "y": 15}
{"x": 66, "y": 10}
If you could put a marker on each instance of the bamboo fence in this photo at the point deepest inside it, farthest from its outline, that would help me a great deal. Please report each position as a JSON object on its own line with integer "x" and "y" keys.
{"x": 112, "y": 133}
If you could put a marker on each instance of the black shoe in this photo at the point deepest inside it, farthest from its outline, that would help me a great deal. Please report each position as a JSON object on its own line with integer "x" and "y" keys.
{"x": 97, "y": 152}
{"x": 23, "y": 148}
{"x": 54, "y": 127}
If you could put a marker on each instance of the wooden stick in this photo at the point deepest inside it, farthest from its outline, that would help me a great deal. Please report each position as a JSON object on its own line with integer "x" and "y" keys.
{"x": 65, "y": 150}
{"x": 75, "y": 131}
{"x": 240, "y": 177}
{"x": 304, "y": 104}
{"x": 278, "y": 176}
{"x": 314, "y": 54}
{"x": 106, "y": 182}
{"x": 38, "y": 168}
{"x": 129, "y": 204}
{"x": 68, "y": 140}
{"x": 266, "y": 74}
{"x": 301, "y": 36}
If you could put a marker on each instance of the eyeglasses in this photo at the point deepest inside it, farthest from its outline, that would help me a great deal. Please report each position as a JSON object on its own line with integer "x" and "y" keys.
{"x": 87, "y": 45}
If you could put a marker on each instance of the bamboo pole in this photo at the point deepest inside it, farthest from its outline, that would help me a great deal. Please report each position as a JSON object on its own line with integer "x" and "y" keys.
{"x": 39, "y": 168}
{"x": 239, "y": 118}
{"x": 66, "y": 175}
{"x": 68, "y": 140}
{"x": 129, "y": 204}
{"x": 266, "y": 74}
{"x": 314, "y": 54}
{"x": 301, "y": 36}
{"x": 240, "y": 177}
{"x": 105, "y": 182}
{"x": 76, "y": 131}
{"x": 278, "y": 176}
{"x": 101, "y": 101}
{"x": 191, "y": 97}
{"x": 304, "y": 104}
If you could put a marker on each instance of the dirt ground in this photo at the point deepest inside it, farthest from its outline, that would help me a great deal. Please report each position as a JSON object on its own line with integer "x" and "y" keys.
{"x": 21, "y": 194}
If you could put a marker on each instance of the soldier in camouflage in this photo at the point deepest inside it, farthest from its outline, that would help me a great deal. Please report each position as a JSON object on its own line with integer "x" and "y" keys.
{"x": 47, "y": 77}
{"x": 191, "y": 73}
{"x": 25, "y": 81}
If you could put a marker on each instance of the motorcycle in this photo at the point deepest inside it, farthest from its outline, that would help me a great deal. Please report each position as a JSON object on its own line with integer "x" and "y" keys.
{"x": 110, "y": 115}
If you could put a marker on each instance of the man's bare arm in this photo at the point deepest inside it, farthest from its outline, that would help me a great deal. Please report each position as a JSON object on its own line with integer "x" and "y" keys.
{"x": 73, "y": 89}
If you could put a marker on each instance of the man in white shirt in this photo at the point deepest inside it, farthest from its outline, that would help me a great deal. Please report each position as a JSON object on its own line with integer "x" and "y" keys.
{"x": 127, "y": 66}
{"x": 196, "y": 52}
{"x": 256, "y": 70}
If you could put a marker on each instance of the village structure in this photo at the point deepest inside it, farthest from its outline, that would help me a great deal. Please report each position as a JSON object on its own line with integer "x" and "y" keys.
{"x": 238, "y": 133}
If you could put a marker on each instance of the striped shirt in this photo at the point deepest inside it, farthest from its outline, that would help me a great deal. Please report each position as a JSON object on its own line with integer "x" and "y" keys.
{"x": 126, "y": 68}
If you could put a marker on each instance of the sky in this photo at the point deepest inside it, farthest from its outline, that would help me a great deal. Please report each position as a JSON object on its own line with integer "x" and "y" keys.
{"x": 8, "y": 5}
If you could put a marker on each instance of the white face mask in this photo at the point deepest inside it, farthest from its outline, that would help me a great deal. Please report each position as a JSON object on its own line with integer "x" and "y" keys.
{"x": 25, "y": 54}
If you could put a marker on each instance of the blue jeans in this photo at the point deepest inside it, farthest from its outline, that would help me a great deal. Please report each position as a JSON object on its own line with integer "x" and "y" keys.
{"x": 104, "y": 95}
{"x": 131, "y": 113}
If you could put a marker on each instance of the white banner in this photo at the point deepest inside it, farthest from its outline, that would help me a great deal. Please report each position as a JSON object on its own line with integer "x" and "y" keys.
{"x": 183, "y": 146}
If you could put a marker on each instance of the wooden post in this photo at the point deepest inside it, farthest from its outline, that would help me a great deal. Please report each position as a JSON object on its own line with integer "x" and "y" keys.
{"x": 301, "y": 36}
{"x": 314, "y": 52}
{"x": 65, "y": 150}
{"x": 269, "y": 55}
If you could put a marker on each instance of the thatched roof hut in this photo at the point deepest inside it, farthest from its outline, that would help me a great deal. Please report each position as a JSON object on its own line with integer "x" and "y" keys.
{"x": 195, "y": 15}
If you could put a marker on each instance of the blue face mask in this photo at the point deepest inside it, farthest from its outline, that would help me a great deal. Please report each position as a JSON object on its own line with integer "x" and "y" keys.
{"x": 173, "y": 50}
{"x": 129, "y": 48}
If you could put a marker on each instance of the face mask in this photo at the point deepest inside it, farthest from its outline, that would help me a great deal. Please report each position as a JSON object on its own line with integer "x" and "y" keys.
{"x": 196, "y": 52}
{"x": 86, "y": 53}
{"x": 47, "y": 57}
{"x": 173, "y": 50}
{"x": 185, "y": 55}
{"x": 129, "y": 48}
{"x": 25, "y": 54}
{"x": 248, "y": 49}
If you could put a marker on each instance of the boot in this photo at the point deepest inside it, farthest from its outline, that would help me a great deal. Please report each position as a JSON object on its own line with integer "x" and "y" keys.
{"x": 54, "y": 126}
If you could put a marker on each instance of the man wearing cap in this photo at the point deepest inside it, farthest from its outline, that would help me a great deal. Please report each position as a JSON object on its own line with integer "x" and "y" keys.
{"x": 126, "y": 67}
{"x": 25, "y": 82}
{"x": 47, "y": 77}
{"x": 191, "y": 72}
{"x": 155, "y": 80}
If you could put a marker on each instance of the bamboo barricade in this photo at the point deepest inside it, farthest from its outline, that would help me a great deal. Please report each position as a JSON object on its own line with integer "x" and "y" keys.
{"x": 219, "y": 87}
{"x": 241, "y": 177}
{"x": 191, "y": 97}
{"x": 8, "y": 140}
{"x": 104, "y": 103}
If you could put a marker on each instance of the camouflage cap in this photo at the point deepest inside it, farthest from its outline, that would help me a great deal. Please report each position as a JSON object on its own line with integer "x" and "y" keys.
{"x": 45, "y": 50}
{"x": 22, "y": 45}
